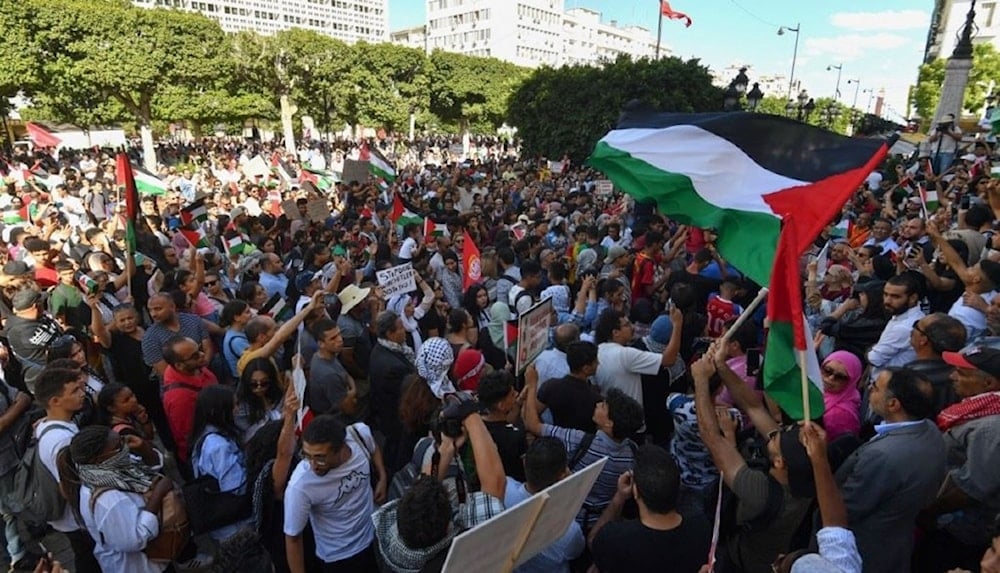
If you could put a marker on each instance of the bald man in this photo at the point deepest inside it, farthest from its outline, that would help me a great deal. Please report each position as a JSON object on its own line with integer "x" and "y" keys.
{"x": 167, "y": 323}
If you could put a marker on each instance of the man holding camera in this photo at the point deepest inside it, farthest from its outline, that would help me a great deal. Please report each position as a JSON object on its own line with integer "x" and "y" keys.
{"x": 944, "y": 139}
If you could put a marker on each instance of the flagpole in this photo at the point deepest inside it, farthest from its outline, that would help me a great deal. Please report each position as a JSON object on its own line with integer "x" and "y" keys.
{"x": 659, "y": 28}
{"x": 803, "y": 362}
{"x": 745, "y": 315}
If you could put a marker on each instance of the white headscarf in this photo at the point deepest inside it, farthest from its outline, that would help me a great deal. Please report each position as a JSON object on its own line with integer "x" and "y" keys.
{"x": 398, "y": 304}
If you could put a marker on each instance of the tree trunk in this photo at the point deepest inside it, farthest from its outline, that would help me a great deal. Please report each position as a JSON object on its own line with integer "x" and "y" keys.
{"x": 287, "y": 111}
{"x": 465, "y": 138}
{"x": 148, "y": 149}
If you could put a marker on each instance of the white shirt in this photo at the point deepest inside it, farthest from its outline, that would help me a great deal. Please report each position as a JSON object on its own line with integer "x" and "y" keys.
{"x": 893, "y": 347}
{"x": 622, "y": 367}
{"x": 121, "y": 528}
{"x": 519, "y": 306}
{"x": 973, "y": 320}
{"x": 48, "y": 448}
{"x": 551, "y": 364}
{"x": 339, "y": 505}
{"x": 407, "y": 248}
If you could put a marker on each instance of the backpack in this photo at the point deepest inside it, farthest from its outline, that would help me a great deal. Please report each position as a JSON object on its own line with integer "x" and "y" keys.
{"x": 407, "y": 475}
{"x": 36, "y": 498}
{"x": 517, "y": 299}
{"x": 175, "y": 529}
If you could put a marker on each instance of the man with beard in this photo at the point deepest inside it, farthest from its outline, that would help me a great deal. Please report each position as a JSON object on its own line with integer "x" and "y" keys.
{"x": 901, "y": 298}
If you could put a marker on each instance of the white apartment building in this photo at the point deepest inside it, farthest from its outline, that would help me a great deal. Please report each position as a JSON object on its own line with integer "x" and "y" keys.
{"x": 347, "y": 20}
{"x": 528, "y": 33}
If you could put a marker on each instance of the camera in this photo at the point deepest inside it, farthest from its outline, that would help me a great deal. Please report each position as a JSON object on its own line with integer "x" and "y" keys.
{"x": 456, "y": 409}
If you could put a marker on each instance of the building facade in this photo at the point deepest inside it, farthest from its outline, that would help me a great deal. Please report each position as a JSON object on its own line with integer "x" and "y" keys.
{"x": 529, "y": 33}
{"x": 947, "y": 20}
{"x": 347, "y": 20}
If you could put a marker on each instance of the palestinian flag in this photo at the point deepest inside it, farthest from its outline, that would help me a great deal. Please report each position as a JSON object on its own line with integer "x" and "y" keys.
{"x": 433, "y": 229}
{"x": 283, "y": 169}
{"x": 789, "y": 349}
{"x": 147, "y": 183}
{"x": 40, "y": 177}
{"x": 11, "y": 216}
{"x": 235, "y": 245}
{"x": 196, "y": 238}
{"x": 743, "y": 173}
{"x": 194, "y": 212}
{"x": 323, "y": 180}
{"x": 929, "y": 200}
{"x": 378, "y": 166}
{"x": 402, "y": 214}
{"x": 739, "y": 173}
{"x": 86, "y": 283}
{"x": 842, "y": 228}
{"x": 126, "y": 180}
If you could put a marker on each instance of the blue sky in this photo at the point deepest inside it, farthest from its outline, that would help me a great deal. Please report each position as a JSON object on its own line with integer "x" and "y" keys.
{"x": 879, "y": 42}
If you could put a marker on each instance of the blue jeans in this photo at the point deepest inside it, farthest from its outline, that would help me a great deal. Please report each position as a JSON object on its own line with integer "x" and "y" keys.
{"x": 942, "y": 161}
{"x": 15, "y": 549}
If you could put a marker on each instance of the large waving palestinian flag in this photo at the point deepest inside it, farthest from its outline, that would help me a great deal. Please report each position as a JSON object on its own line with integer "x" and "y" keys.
{"x": 743, "y": 173}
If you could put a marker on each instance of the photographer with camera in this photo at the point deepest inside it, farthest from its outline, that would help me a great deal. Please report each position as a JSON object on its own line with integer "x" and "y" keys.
{"x": 945, "y": 138}
{"x": 415, "y": 532}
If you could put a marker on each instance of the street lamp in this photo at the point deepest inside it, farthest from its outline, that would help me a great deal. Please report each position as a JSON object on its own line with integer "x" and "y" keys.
{"x": 803, "y": 108}
{"x": 830, "y": 113}
{"x": 839, "y": 68}
{"x": 731, "y": 100}
{"x": 742, "y": 81}
{"x": 754, "y": 97}
{"x": 795, "y": 53}
{"x": 857, "y": 87}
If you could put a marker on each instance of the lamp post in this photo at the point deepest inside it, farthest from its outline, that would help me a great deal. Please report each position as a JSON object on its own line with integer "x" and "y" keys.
{"x": 857, "y": 88}
{"x": 737, "y": 88}
{"x": 871, "y": 96}
{"x": 803, "y": 108}
{"x": 830, "y": 113}
{"x": 795, "y": 53}
{"x": 839, "y": 68}
{"x": 754, "y": 97}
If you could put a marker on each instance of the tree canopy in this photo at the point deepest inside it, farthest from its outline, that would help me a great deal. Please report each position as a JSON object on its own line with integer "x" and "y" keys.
{"x": 567, "y": 110}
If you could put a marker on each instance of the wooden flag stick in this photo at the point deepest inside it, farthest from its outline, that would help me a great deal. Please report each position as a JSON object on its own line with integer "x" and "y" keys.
{"x": 803, "y": 367}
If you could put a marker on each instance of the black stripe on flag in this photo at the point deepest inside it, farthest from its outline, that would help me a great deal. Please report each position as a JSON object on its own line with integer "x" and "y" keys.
{"x": 779, "y": 144}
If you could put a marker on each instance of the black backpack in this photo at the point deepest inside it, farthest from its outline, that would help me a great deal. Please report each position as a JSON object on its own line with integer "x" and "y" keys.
{"x": 36, "y": 498}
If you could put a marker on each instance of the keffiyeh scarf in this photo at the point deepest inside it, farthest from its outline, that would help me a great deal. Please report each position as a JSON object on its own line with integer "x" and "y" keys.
{"x": 400, "y": 348}
{"x": 972, "y": 408}
{"x": 118, "y": 472}
{"x": 433, "y": 363}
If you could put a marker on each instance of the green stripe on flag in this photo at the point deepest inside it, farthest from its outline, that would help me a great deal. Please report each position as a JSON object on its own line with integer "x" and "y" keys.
{"x": 147, "y": 183}
{"x": 783, "y": 375}
{"x": 749, "y": 240}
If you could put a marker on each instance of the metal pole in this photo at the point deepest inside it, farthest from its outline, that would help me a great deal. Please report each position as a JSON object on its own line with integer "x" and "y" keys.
{"x": 795, "y": 55}
{"x": 857, "y": 87}
{"x": 659, "y": 27}
{"x": 836, "y": 93}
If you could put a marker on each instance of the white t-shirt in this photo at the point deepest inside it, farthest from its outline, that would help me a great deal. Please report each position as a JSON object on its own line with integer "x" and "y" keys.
{"x": 973, "y": 320}
{"x": 407, "y": 248}
{"x": 622, "y": 367}
{"x": 48, "y": 448}
{"x": 521, "y": 305}
{"x": 121, "y": 528}
{"x": 339, "y": 505}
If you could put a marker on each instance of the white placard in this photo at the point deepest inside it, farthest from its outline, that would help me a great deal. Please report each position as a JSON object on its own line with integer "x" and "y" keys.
{"x": 396, "y": 280}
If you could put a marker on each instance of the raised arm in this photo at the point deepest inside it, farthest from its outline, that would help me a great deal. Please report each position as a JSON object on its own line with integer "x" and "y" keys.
{"x": 291, "y": 325}
{"x": 532, "y": 409}
{"x": 744, "y": 398}
{"x": 721, "y": 442}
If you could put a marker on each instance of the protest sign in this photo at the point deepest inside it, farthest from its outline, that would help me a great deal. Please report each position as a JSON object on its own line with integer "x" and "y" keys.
{"x": 533, "y": 333}
{"x": 397, "y": 280}
{"x": 355, "y": 170}
{"x": 318, "y": 210}
{"x": 256, "y": 166}
{"x": 523, "y": 531}
{"x": 456, "y": 149}
{"x": 605, "y": 187}
{"x": 556, "y": 167}
{"x": 290, "y": 209}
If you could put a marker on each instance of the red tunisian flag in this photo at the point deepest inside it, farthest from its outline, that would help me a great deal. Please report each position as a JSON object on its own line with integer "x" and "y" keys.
{"x": 471, "y": 263}
{"x": 669, "y": 12}
{"x": 41, "y": 136}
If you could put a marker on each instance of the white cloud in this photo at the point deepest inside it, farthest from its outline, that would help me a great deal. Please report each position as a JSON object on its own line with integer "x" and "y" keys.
{"x": 881, "y": 21}
{"x": 853, "y": 46}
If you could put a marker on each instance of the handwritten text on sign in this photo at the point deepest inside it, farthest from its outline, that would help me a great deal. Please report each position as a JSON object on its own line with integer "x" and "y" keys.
{"x": 396, "y": 280}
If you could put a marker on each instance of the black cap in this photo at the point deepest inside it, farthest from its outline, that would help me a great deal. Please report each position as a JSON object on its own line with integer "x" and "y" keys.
{"x": 991, "y": 270}
{"x": 25, "y": 299}
{"x": 16, "y": 269}
{"x": 976, "y": 358}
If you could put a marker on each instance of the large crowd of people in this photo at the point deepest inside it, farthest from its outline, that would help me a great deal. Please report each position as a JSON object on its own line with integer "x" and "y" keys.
{"x": 153, "y": 396}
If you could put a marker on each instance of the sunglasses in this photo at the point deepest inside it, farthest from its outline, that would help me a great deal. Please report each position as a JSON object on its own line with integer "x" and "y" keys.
{"x": 260, "y": 383}
{"x": 838, "y": 376}
{"x": 211, "y": 283}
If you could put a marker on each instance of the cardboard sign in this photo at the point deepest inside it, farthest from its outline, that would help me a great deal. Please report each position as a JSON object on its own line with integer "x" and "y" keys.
{"x": 533, "y": 333}
{"x": 456, "y": 149}
{"x": 318, "y": 210}
{"x": 556, "y": 167}
{"x": 525, "y": 530}
{"x": 355, "y": 170}
{"x": 605, "y": 187}
{"x": 290, "y": 209}
{"x": 396, "y": 280}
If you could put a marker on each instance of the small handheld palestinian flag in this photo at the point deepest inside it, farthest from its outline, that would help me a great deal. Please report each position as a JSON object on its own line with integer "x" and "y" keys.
{"x": 235, "y": 245}
{"x": 432, "y": 229}
{"x": 86, "y": 283}
{"x": 402, "y": 214}
{"x": 196, "y": 238}
{"x": 194, "y": 212}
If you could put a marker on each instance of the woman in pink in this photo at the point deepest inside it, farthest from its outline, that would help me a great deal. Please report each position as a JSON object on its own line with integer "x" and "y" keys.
{"x": 841, "y": 398}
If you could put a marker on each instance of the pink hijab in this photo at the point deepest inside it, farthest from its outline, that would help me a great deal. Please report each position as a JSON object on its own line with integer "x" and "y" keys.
{"x": 842, "y": 409}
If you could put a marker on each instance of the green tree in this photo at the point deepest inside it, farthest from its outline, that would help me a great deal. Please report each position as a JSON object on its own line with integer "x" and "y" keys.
{"x": 930, "y": 79}
{"x": 115, "y": 51}
{"x": 567, "y": 110}
{"x": 468, "y": 91}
